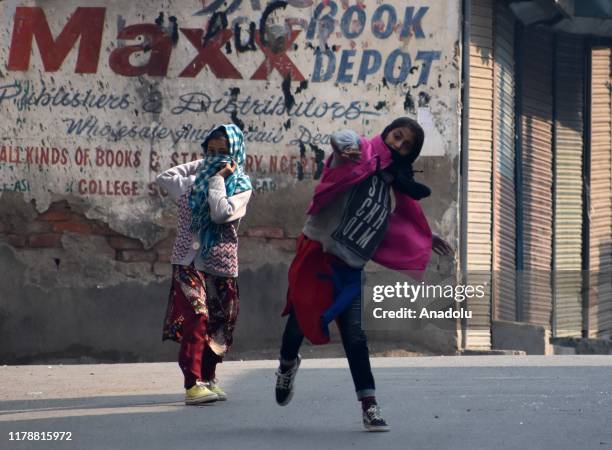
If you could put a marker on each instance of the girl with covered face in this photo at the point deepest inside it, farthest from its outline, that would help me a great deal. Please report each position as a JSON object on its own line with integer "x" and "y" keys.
{"x": 212, "y": 195}
{"x": 350, "y": 222}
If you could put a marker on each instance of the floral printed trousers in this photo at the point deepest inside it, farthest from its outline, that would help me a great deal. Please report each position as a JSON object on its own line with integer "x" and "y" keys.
{"x": 201, "y": 316}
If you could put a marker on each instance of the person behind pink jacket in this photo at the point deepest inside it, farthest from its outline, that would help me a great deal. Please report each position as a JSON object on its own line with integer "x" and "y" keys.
{"x": 351, "y": 221}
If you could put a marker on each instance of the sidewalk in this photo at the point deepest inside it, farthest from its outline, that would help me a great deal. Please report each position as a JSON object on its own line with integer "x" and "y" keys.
{"x": 469, "y": 402}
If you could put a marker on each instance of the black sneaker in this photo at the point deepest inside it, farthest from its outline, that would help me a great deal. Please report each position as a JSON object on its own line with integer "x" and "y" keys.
{"x": 373, "y": 421}
{"x": 284, "y": 383}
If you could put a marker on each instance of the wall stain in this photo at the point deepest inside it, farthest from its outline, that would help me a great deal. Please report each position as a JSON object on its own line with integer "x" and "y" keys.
{"x": 319, "y": 161}
{"x": 289, "y": 98}
{"x": 302, "y": 87}
{"x": 174, "y": 34}
{"x": 217, "y": 22}
{"x": 234, "y": 92}
{"x": 380, "y": 105}
{"x": 424, "y": 99}
{"x": 300, "y": 167}
{"x": 170, "y": 30}
{"x": 120, "y": 26}
{"x": 160, "y": 20}
{"x": 150, "y": 96}
{"x": 250, "y": 44}
{"x": 217, "y": 3}
{"x": 409, "y": 103}
{"x": 280, "y": 4}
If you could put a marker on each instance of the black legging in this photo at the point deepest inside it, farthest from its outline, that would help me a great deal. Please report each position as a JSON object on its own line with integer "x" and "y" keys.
{"x": 353, "y": 339}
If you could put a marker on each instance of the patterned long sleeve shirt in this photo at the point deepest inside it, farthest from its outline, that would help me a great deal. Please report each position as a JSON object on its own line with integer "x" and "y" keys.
{"x": 222, "y": 260}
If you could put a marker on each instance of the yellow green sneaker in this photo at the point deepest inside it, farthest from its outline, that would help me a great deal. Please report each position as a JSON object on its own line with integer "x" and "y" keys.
{"x": 198, "y": 394}
{"x": 214, "y": 387}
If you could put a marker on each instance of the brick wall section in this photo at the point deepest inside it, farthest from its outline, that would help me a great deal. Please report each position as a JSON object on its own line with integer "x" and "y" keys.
{"x": 275, "y": 237}
{"x": 45, "y": 231}
{"x": 286, "y": 245}
{"x": 123, "y": 243}
{"x": 164, "y": 249}
{"x": 265, "y": 232}
{"x": 44, "y": 240}
{"x": 136, "y": 256}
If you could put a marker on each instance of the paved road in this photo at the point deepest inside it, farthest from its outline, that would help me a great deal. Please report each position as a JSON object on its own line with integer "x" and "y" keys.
{"x": 469, "y": 402}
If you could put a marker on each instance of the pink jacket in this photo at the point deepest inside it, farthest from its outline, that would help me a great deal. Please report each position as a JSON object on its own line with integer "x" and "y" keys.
{"x": 407, "y": 243}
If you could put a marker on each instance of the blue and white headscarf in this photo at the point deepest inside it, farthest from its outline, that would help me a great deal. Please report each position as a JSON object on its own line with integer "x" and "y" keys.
{"x": 239, "y": 181}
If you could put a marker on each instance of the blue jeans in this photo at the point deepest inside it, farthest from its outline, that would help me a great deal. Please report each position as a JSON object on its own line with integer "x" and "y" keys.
{"x": 354, "y": 341}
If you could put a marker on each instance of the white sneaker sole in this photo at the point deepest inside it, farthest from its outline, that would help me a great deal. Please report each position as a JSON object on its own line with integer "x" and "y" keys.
{"x": 203, "y": 399}
{"x": 375, "y": 429}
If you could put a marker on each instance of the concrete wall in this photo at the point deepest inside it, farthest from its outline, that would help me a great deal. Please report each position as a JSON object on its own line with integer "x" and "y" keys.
{"x": 530, "y": 338}
{"x": 95, "y": 102}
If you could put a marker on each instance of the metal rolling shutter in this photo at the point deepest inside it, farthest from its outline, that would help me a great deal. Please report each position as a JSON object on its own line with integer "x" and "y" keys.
{"x": 480, "y": 163}
{"x": 537, "y": 135}
{"x": 600, "y": 235}
{"x": 569, "y": 119}
{"x": 504, "y": 198}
